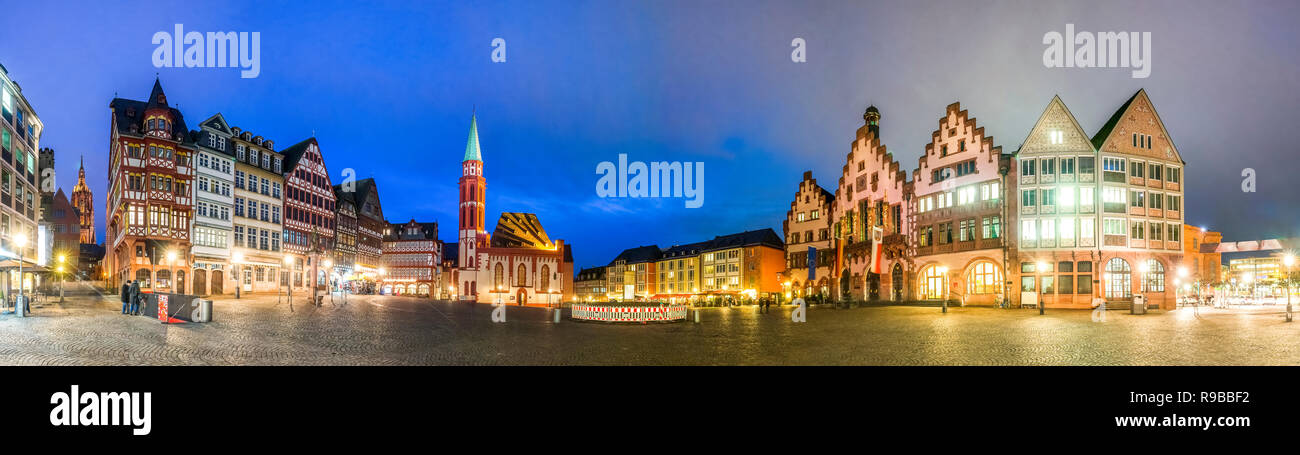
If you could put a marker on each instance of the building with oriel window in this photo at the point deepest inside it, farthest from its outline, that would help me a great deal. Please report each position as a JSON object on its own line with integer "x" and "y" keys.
{"x": 872, "y": 197}
{"x": 214, "y": 196}
{"x": 150, "y": 201}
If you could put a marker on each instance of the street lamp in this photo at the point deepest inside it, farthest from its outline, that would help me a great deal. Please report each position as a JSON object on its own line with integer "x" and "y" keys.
{"x": 328, "y": 283}
{"x": 62, "y": 260}
{"x": 288, "y": 282}
{"x": 943, "y": 270}
{"x": 1288, "y": 261}
{"x": 1041, "y": 267}
{"x": 171, "y": 270}
{"x": 235, "y": 260}
{"x": 20, "y": 307}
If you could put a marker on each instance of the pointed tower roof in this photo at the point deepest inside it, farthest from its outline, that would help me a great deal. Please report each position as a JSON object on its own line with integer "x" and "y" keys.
{"x": 156, "y": 96}
{"x": 471, "y": 147}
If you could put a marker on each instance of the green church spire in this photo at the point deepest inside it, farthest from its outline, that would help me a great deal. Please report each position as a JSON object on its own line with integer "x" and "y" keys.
{"x": 471, "y": 148}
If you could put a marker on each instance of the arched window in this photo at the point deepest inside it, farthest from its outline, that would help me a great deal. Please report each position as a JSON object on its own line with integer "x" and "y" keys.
{"x": 163, "y": 278}
{"x": 521, "y": 278}
{"x": 143, "y": 276}
{"x": 500, "y": 276}
{"x": 1153, "y": 279}
{"x": 544, "y": 281}
{"x": 984, "y": 278}
{"x": 1119, "y": 279}
{"x": 932, "y": 283}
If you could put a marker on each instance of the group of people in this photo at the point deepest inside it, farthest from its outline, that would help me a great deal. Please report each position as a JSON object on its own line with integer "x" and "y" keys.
{"x": 131, "y": 297}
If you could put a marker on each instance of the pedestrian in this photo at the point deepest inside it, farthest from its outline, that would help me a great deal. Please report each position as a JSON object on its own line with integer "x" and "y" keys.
{"x": 126, "y": 295}
{"x": 135, "y": 297}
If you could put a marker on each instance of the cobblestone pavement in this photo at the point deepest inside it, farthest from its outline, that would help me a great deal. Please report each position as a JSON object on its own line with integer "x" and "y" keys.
{"x": 89, "y": 330}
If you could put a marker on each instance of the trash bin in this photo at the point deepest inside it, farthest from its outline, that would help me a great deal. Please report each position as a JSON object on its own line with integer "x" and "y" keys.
{"x": 1139, "y": 305}
{"x": 205, "y": 310}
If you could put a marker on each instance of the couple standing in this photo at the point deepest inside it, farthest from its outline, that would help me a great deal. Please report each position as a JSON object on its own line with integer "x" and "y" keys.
{"x": 131, "y": 297}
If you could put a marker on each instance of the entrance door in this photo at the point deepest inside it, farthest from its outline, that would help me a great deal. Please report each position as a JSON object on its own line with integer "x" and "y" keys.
{"x": 897, "y": 278}
{"x": 873, "y": 286}
{"x": 218, "y": 280}
{"x": 200, "y": 282}
{"x": 248, "y": 280}
{"x": 523, "y": 297}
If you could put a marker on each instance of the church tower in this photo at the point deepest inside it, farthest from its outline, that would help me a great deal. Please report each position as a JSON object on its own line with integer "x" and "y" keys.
{"x": 84, "y": 201}
{"x": 473, "y": 235}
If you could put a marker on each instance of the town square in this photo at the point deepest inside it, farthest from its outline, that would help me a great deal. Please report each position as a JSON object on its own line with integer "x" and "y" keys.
{"x": 231, "y": 206}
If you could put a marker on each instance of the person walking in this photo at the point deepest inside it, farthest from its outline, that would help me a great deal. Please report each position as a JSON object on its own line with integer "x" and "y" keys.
{"x": 126, "y": 295}
{"x": 135, "y": 297}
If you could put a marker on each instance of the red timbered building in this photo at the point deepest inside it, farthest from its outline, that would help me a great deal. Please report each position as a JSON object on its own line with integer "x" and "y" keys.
{"x": 309, "y": 213}
{"x": 412, "y": 259}
{"x": 149, "y": 205}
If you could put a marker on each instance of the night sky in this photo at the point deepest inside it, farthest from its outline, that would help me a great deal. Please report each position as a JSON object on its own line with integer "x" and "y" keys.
{"x": 389, "y": 88}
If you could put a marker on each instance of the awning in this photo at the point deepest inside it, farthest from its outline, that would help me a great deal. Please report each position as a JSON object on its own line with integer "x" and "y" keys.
{"x": 28, "y": 266}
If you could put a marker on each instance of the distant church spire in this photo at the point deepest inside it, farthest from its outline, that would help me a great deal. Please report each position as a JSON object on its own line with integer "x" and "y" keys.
{"x": 472, "y": 152}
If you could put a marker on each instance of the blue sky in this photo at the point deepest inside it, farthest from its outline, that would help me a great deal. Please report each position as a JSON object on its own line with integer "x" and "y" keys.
{"x": 388, "y": 89}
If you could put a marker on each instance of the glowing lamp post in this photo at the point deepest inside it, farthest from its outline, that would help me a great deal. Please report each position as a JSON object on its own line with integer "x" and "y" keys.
{"x": 171, "y": 270}
{"x": 1041, "y": 267}
{"x": 20, "y": 307}
{"x": 327, "y": 264}
{"x": 62, "y": 259}
{"x": 288, "y": 283}
{"x": 1288, "y": 261}
{"x": 235, "y": 260}
{"x": 943, "y": 270}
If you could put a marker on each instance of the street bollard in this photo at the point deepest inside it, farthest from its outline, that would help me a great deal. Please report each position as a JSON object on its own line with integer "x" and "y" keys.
{"x": 697, "y": 316}
{"x": 557, "y": 315}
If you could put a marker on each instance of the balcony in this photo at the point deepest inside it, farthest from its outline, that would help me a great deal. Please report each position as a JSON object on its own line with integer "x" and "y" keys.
{"x": 1134, "y": 210}
{"x": 1171, "y": 214}
{"x": 1087, "y": 178}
